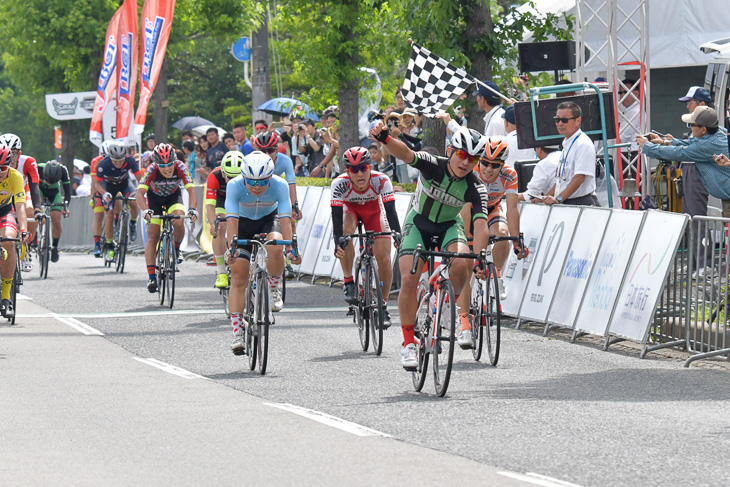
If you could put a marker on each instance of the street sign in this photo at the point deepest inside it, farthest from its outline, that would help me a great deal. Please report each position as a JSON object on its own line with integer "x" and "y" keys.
{"x": 241, "y": 49}
{"x": 70, "y": 106}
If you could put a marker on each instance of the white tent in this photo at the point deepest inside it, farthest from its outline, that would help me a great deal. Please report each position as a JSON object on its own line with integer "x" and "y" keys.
{"x": 676, "y": 27}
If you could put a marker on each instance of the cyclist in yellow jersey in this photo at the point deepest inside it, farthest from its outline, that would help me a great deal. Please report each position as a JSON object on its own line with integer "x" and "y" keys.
{"x": 12, "y": 193}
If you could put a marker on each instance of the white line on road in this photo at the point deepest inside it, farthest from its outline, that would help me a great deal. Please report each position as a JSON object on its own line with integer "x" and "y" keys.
{"x": 77, "y": 325}
{"x": 23, "y": 296}
{"x": 538, "y": 479}
{"x": 137, "y": 314}
{"x": 324, "y": 418}
{"x": 170, "y": 369}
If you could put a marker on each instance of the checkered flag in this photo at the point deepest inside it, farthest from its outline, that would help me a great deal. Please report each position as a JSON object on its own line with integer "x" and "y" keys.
{"x": 432, "y": 84}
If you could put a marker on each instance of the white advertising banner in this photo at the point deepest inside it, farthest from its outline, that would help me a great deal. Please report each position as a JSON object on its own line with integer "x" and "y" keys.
{"x": 515, "y": 273}
{"x": 326, "y": 258}
{"x": 605, "y": 281}
{"x": 319, "y": 215}
{"x": 548, "y": 263}
{"x": 658, "y": 242}
{"x": 71, "y": 106}
{"x": 578, "y": 266}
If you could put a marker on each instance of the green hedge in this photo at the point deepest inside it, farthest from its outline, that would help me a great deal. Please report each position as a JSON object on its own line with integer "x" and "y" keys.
{"x": 408, "y": 188}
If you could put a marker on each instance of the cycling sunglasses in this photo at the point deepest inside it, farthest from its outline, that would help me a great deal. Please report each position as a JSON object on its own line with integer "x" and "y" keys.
{"x": 114, "y": 159}
{"x": 169, "y": 164}
{"x": 462, "y": 154}
{"x": 360, "y": 168}
{"x": 271, "y": 150}
{"x": 261, "y": 127}
{"x": 4, "y": 168}
{"x": 492, "y": 164}
{"x": 258, "y": 182}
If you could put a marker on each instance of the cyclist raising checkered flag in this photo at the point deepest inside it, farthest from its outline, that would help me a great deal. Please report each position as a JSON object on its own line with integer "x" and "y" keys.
{"x": 432, "y": 84}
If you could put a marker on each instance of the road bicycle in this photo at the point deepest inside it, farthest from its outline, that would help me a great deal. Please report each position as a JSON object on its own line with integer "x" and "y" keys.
{"x": 367, "y": 314}
{"x": 120, "y": 243}
{"x": 17, "y": 277}
{"x": 166, "y": 259}
{"x": 485, "y": 309}
{"x": 43, "y": 248}
{"x": 435, "y": 327}
{"x": 226, "y": 290}
{"x": 257, "y": 311}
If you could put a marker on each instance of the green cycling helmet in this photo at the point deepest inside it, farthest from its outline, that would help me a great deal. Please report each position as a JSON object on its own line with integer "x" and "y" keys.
{"x": 231, "y": 163}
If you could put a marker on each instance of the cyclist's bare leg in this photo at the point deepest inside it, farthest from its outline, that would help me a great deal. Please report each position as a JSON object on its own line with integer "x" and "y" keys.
{"x": 407, "y": 302}
{"x": 7, "y": 266}
{"x": 56, "y": 224}
{"x": 150, "y": 248}
{"x": 239, "y": 281}
{"x": 109, "y": 225}
{"x": 178, "y": 227}
{"x": 275, "y": 265}
{"x": 460, "y": 268}
{"x": 133, "y": 209}
{"x": 98, "y": 220}
{"x": 219, "y": 242}
{"x": 382, "y": 248}
{"x": 500, "y": 250}
{"x": 349, "y": 226}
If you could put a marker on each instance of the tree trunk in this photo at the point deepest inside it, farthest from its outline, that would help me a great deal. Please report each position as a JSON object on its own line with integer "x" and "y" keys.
{"x": 261, "y": 76}
{"x": 161, "y": 106}
{"x": 68, "y": 140}
{"x": 348, "y": 94}
{"x": 478, "y": 26}
{"x": 434, "y": 134}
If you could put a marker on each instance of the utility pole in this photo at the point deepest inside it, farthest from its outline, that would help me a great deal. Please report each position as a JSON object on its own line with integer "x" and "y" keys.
{"x": 261, "y": 76}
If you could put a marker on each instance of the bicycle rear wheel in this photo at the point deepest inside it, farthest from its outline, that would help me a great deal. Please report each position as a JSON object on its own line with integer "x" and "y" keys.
{"x": 46, "y": 247}
{"x": 493, "y": 323}
{"x": 161, "y": 274}
{"x": 171, "y": 268}
{"x": 360, "y": 312}
{"x": 262, "y": 322}
{"x": 224, "y": 294}
{"x": 445, "y": 323}
{"x": 421, "y": 331}
{"x": 478, "y": 317}
{"x": 375, "y": 309}
{"x": 252, "y": 341}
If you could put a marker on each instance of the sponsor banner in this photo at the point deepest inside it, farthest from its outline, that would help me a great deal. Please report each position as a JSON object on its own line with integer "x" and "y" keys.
{"x": 126, "y": 67}
{"x": 548, "y": 263}
{"x": 326, "y": 258}
{"x": 516, "y": 273}
{"x": 610, "y": 267}
{"x": 308, "y": 198}
{"x": 318, "y": 221}
{"x": 71, "y": 106}
{"x": 654, "y": 253}
{"x": 107, "y": 82}
{"x": 578, "y": 266}
{"x": 156, "y": 24}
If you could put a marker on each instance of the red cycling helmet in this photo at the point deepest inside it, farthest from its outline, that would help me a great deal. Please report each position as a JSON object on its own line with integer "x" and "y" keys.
{"x": 164, "y": 154}
{"x": 6, "y": 155}
{"x": 267, "y": 140}
{"x": 356, "y": 156}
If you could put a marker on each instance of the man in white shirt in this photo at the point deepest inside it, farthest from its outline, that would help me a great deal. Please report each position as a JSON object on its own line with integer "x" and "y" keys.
{"x": 577, "y": 167}
{"x": 544, "y": 175}
{"x": 514, "y": 153}
{"x": 490, "y": 103}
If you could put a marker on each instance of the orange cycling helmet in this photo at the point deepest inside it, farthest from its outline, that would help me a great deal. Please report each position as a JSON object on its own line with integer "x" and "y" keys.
{"x": 356, "y": 156}
{"x": 6, "y": 155}
{"x": 495, "y": 149}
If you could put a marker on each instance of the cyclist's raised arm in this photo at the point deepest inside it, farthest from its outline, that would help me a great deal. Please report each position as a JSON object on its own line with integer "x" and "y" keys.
{"x": 513, "y": 214}
{"x": 66, "y": 182}
{"x": 396, "y": 148}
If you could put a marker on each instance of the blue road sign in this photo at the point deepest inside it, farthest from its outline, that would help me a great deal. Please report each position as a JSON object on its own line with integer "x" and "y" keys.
{"x": 241, "y": 49}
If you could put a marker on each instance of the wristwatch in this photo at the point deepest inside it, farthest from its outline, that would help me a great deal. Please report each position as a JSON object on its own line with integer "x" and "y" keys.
{"x": 559, "y": 198}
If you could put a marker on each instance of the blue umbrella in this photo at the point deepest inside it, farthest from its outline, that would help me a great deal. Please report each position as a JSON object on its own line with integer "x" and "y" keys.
{"x": 283, "y": 106}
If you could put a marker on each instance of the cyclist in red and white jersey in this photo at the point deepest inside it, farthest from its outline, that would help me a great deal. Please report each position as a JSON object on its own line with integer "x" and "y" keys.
{"x": 501, "y": 182}
{"x": 96, "y": 203}
{"x": 364, "y": 195}
{"x": 28, "y": 168}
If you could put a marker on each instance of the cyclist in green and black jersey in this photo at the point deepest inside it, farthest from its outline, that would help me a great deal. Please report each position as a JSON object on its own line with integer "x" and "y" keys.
{"x": 445, "y": 185}
{"x": 52, "y": 175}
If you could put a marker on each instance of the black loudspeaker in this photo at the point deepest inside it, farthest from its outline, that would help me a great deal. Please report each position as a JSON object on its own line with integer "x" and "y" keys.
{"x": 547, "y": 56}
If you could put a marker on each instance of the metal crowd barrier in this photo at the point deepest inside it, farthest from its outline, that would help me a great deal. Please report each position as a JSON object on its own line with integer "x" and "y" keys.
{"x": 705, "y": 308}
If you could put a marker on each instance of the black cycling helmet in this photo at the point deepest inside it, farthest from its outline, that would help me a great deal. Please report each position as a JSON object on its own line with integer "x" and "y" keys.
{"x": 266, "y": 140}
{"x": 52, "y": 172}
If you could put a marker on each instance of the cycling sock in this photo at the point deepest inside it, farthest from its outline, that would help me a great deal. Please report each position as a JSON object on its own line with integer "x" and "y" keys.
{"x": 350, "y": 279}
{"x": 97, "y": 239}
{"x": 237, "y": 322}
{"x": 408, "y": 335}
{"x": 274, "y": 281}
{"x": 55, "y": 241}
{"x": 151, "y": 271}
{"x": 7, "y": 284}
{"x": 220, "y": 263}
{"x": 132, "y": 222}
{"x": 499, "y": 272}
{"x": 109, "y": 241}
{"x": 465, "y": 325}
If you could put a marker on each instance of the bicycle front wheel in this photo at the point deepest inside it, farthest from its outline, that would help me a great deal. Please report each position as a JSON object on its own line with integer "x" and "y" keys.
{"x": 252, "y": 341}
{"x": 445, "y": 323}
{"x": 421, "y": 331}
{"x": 375, "y": 309}
{"x": 161, "y": 273}
{"x": 46, "y": 251}
{"x": 493, "y": 310}
{"x": 478, "y": 313}
{"x": 262, "y": 321}
{"x": 171, "y": 271}
{"x": 360, "y": 311}
{"x": 123, "y": 242}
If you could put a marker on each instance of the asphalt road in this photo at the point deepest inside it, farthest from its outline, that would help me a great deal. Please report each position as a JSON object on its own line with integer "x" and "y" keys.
{"x": 570, "y": 412}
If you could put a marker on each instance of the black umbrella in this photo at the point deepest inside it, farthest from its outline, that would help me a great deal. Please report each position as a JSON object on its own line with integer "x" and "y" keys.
{"x": 189, "y": 123}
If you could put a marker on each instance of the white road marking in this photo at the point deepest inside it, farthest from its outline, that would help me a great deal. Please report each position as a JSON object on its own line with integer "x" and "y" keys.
{"x": 24, "y": 297}
{"x": 170, "y": 369}
{"x": 137, "y": 314}
{"x": 77, "y": 325}
{"x": 333, "y": 421}
{"x": 538, "y": 479}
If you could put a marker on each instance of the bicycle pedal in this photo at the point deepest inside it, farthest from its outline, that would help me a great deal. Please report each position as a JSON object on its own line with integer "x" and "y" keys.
{"x": 410, "y": 369}
{"x": 239, "y": 351}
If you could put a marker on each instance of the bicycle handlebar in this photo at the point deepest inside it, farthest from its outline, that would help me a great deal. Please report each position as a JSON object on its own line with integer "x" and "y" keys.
{"x": 261, "y": 241}
{"x": 481, "y": 256}
{"x": 169, "y": 217}
{"x": 345, "y": 239}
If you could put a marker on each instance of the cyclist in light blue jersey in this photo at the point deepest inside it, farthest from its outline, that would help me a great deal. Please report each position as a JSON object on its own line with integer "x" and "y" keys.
{"x": 257, "y": 202}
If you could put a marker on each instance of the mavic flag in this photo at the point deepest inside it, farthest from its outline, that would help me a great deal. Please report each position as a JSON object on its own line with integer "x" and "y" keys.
{"x": 432, "y": 84}
{"x": 107, "y": 79}
{"x": 156, "y": 21}
{"x": 126, "y": 67}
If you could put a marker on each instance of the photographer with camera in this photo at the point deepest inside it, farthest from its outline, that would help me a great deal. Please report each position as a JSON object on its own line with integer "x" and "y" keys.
{"x": 310, "y": 145}
{"x": 330, "y": 136}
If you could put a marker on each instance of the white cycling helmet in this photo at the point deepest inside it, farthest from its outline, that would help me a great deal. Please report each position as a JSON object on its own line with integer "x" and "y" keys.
{"x": 117, "y": 150}
{"x": 12, "y": 141}
{"x": 469, "y": 140}
{"x": 257, "y": 165}
{"x": 105, "y": 148}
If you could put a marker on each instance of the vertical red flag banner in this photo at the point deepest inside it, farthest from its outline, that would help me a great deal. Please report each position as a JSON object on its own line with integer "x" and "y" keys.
{"x": 107, "y": 79}
{"x": 156, "y": 22}
{"x": 126, "y": 67}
